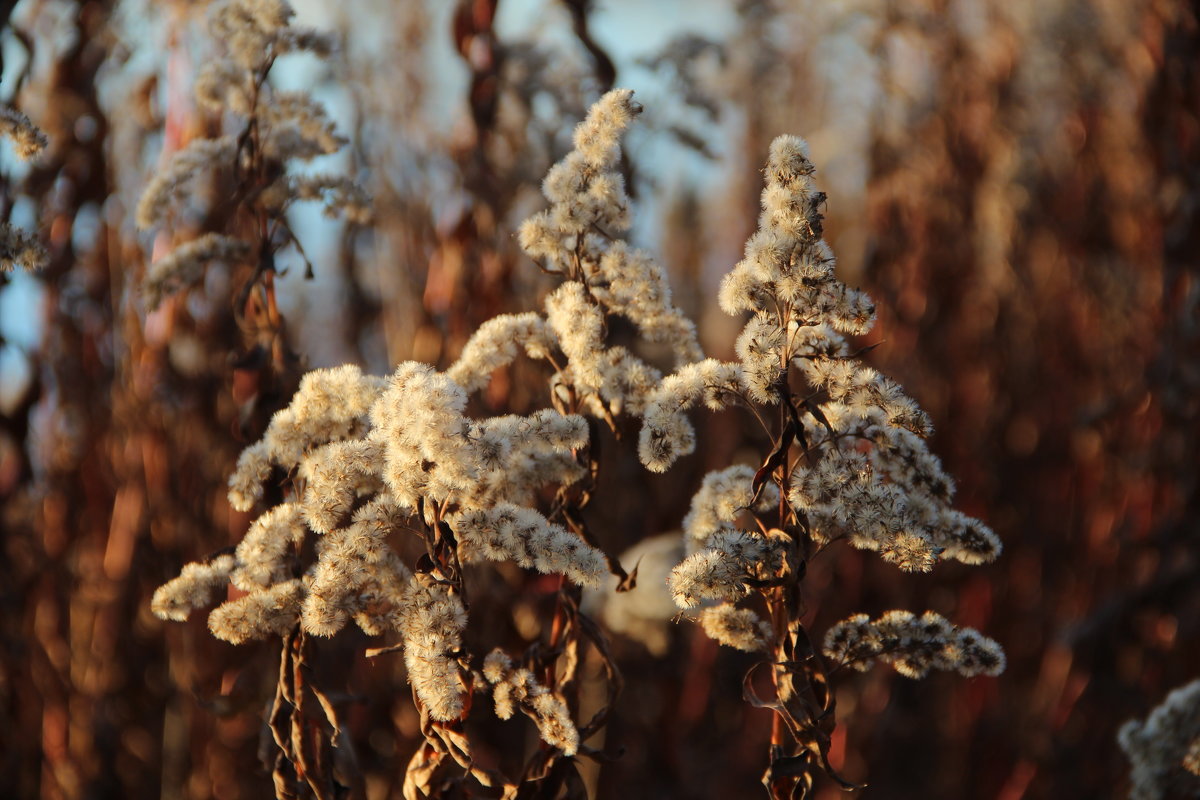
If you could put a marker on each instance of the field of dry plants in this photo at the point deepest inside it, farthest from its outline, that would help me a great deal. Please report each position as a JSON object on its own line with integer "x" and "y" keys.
{"x": 600, "y": 399}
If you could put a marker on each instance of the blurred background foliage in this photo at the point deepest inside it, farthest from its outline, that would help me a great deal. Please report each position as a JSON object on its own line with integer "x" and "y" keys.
{"x": 1016, "y": 183}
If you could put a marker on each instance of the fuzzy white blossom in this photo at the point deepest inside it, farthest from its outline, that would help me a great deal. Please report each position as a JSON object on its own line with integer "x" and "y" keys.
{"x": 364, "y": 453}
{"x": 514, "y": 687}
{"x": 630, "y": 283}
{"x": 252, "y": 470}
{"x": 320, "y": 446}
{"x": 576, "y": 237}
{"x": 335, "y": 476}
{"x": 358, "y": 575}
{"x": 192, "y": 589}
{"x": 612, "y": 374}
{"x": 865, "y": 393}
{"x": 725, "y": 568}
{"x": 173, "y": 183}
{"x": 879, "y": 503}
{"x": 254, "y": 30}
{"x": 262, "y": 553}
{"x": 298, "y": 127}
{"x": 786, "y": 278}
{"x": 761, "y": 349}
{"x": 723, "y": 495}
{"x": 849, "y": 450}
{"x": 496, "y": 344}
{"x": 433, "y": 451}
{"x": 184, "y": 266}
{"x": 380, "y": 597}
{"x": 666, "y": 433}
{"x": 341, "y": 196}
{"x": 269, "y": 612}
{"x": 511, "y": 533}
{"x": 739, "y": 628}
{"x": 866, "y": 474}
{"x": 28, "y": 139}
{"x": 427, "y": 451}
{"x": 432, "y": 621}
{"x": 843, "y": 496}
{"x": 330, "y": 405}
{"x": 912, "y": 645}
{"x": 223, "y": 85}
{"x": 585, "y": 188}
{"x": 289, "y": 126}
{"x": 1162, "y": 748}
{"x": 20, "y": 248}
{"x": 965, "y": 538}
{"x": 520, "y": 455}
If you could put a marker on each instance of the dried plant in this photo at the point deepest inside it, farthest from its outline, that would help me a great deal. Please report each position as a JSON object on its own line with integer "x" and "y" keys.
{"x": 271, "y": 131}
{"x": 848, "y": 462}
{"x": 366, "y": 459}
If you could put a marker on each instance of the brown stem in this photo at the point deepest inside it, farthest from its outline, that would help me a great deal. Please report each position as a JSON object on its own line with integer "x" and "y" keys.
{"x": 606, "y": 71}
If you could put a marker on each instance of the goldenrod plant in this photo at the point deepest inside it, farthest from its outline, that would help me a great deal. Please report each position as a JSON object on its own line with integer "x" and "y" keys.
{"x": 848, "y": 462}
{"x": 367, "y": 459}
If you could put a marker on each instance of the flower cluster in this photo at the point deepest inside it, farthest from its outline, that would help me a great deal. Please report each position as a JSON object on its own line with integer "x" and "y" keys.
{"x": 184, "y": 266}
{"x": 193, "y": 588}
{"x": 330, "y": 405}
{"x": 865, "y": 474}
{"x": 495, "y": 344}
{"x": 514, "y": 688}
{"x": 20, "y": 248}
{"x": 723, "y": 496}
{"x": 575, "y": 238}
{"x": 370, "y": 456}
{"x": 913, "y": 645}
{"x": 1164, "y": 749}
{"x": 666, "y": 431}
{"x": 739, "y": 628}
{"x": 28, "y": 139}
{"x": 432, "y": 621}
{"x": 724, "y": 560}
{"x": 370, "y": 451}
{"x": 848, "y": 461}
{"x": 172, "y": 185}
{"x": 273, "y": 611}
{"x": 875, "y": 501}
{"x": 725, "y": 568}
{"x": 508, "y": 532}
